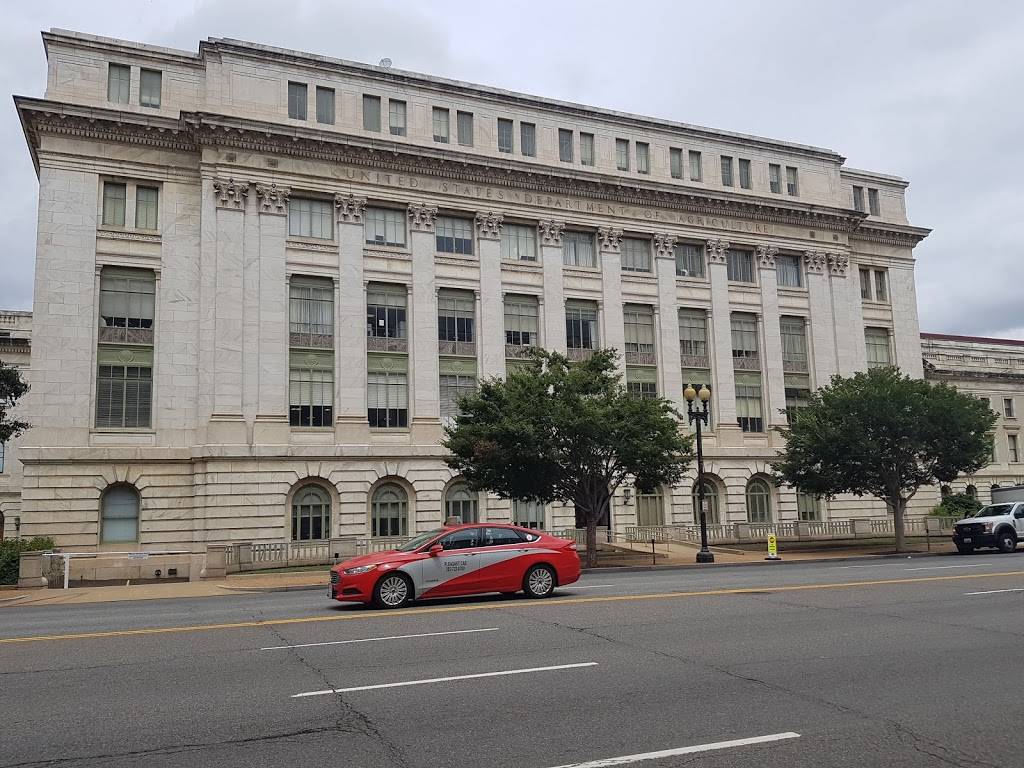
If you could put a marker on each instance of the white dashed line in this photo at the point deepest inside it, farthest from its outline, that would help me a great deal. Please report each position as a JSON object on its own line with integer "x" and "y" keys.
{"x": 375, "y": 639}
{"x": 640, "y": 757}
{"x": 945, "y": 567}
{"x": 994, "y": 591}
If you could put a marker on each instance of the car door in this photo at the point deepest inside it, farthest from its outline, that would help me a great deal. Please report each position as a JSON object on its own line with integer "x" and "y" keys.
{"x": 453, "y": 571}
{"x": 504, "y": 560}
{"x": 1018, "y": 520}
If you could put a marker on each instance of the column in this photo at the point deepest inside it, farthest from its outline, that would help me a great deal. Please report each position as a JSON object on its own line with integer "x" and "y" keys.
{"x": 771, "y": 357}
{"x": 271, "y": 317}
{"x": 491, "y": 313}
{"x": 849, "y": 313}
{"x": 613, "y": 333}
{"x": 669, "y": 365}
{"x": 423, "y": 364}
{"x": 724, "y": 393}
{"x": 552, "y": 302}
{"x": 350, "y": 332}
{"x": 823, "y": 319}
{"x": 906, "y": 330}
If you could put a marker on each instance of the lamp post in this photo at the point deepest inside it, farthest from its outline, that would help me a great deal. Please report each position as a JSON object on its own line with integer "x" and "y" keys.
{"x": 700, "y": 416}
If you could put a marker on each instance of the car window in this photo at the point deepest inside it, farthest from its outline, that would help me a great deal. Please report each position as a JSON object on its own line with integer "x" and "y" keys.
{"x": 464, "y": 539}
{"x": 496, "y": 537}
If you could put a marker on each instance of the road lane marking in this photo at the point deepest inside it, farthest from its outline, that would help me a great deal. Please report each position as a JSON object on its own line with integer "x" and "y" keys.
{"x": 525, "y": 604}
{"x": 642, "y": 756}
{"x": 946, "y": 567}
{"x": 876, "y": 565}
{"x": 994, "y": 591}
{"x": 375, "y": 639}
{"x": 428, "y": 681}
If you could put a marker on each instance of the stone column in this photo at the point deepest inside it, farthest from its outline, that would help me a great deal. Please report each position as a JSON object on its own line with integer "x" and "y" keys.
{"x": 849, "y": 312}
{"x": 491, "y": 317}
{"x": 423, "y": 365}
{"x": 906, "y": 342}
{"x": 772, "y": 335}
{"x": 724, "y": 392}
{"x": 271, "y": 331}
{"x": 669, "y": 365}
{"x": 552, "y": 304}
{"x": 823, "y": 326}
{"x": 613, "y": 332}
{"x": 350, "y": 332}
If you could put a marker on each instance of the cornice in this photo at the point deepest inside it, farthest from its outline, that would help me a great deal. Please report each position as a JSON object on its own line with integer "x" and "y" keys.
{"x": 890, "y": 234}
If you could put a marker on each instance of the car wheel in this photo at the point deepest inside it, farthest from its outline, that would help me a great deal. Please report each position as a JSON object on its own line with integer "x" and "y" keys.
{"x": 964, "y": 549}
{"x": 539, "y": 581}
{"x": 1007, "y": 541}
{"x": 392, "y": 591}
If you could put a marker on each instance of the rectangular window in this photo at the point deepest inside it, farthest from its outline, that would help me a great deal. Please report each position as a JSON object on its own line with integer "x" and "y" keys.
{"x": 311, "y": 390}
{"x": 794, "y": 344}
{"x": 118, "y": 83}
{"x": 689, "y": 260}
{"x": 565, "y": 145}
{"x": 146, "y": 207}
{"x": 504, "y": 135}
{"x": 396, "y": 117}
{"x": 1008, "y": 408}
{"x": 858, "y": 199}
{"x": 521, "y": 323}
{"x": 528, "y": 139}
{"x": 865, "y": 284}
{"x": 114, "y": 196}
{"x": 638, "y": 324}
{"x": 787, "y": 270}
{"x": 325, "y": 105}
{"x": 879, "y": 352}
{"x": 455, "y": 318}
{"x": 739, "y": 266}
{"x": 643, "y": 157}
{"x": 745, "y": 180}
{"x": 519, "y": 242}
{"x": 744, "y": 341}
{"x": 308, "y": 217}
{"x": 371, "y": 113}
{"x": 127, "y": 299}
{"x": 440, "y": 118}
{"x": 580, "y": 325}
{"x": 1011, "y": 443}
{"x": 150, "y": 87}
{"x": 454, "y": 235}
{"x": 749, "y": 413}
{"x": 384, "y": 226}
{"x": 726, "y": 171}
{"x": 636, "y": 255}
{"x": 696, "y": 167}
{"x": 808, "y": 506}
{"x": 622, "y": 154}
{"x": 124, "y": 394}
{"x": 775, "y": 178}
{"x": 639, "y": 385}
{"x": 873, "y": 202}
{"x": 528, "y": 514}
{"x": 465, "y": 127}
{"x": 881, "y": 289}
{"x": 797, "y": 391}
{"x": 587, "y": 148}
{"x": 693, "y": 338}
{"x": 386, "y": 312}
{"x": 452, "y": 387}
{"x": 297, "y": 101}
{"x": 387, "y": 399}
{"x": 675, "y": 162}
{"x": 792, "y": 187}
{"x": 311, "y": 313}
{"x": 578, "y": 249}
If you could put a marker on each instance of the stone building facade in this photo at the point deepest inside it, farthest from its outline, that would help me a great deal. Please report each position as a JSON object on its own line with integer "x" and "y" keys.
{"x": 15, "y": 349}
{"x": 264, "y": 277}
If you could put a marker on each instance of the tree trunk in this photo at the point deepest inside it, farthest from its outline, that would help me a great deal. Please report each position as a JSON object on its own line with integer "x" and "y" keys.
{"x": 591, "y": 540}
{"x": 899, "y": 507}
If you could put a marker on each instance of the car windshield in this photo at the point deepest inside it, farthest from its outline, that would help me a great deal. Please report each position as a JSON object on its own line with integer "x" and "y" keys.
{"x": 418, "y": 541}
{"x": 993, "y": 510}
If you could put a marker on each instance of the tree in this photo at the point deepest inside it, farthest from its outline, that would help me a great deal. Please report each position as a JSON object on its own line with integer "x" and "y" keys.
{"x": 12, "y": 387}
{"x": 957, "y": 505}
{"x": 569, "y": 432}
{"x": 885, "y": 434}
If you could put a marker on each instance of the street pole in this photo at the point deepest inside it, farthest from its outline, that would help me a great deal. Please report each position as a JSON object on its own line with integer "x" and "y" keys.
{"x": 700, "y": 416}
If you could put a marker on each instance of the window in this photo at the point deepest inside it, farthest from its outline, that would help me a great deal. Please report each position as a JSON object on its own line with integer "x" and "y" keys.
{"x": 745, "y": 181}
{"x": 455, "y": 316}
{"x": 126, "y": 305}
{"x": 440, "y": 120}
{"x": 387, "y": 399}
{"x": 468, "y": 538}
{"x": 528, "y": 140}
{"x": 808, "y": 506}
{"x": 499, "y": 537}
{"x": 726, "y": 171}
{"x": 877, "y": 342}
{"x": 744, "y": 336}
{"x": 297, "y": 101}
{"x": 739, "y": 266}
{"x": 1008, "y": 408}
{"x": 775, "y": 178}
{"x": 794, "y": 343}
{"x": 865, "y": 284}
{"x": 587, "y": 148}
{"x": 643, "y": 157}
{"x": 119, "y": 518}
{"x": 146, "y": 207}
{"x": 622, "y": 154}
{"x": 118, "y": 83}
{"x": 396, "y": 117}
{"x": 638, "y": 323}
{"x": 384, "y": 226}
{"x": 873, "y": 202}
{"x": 881, "y": 289}
{"x": 711, "y": 514}
{"x": 528, "y": 514}
{"x": 650, "y": 508}
{"x": 311, "y": 514}
{"x": 389, "y": 511}
{"x": 746, "y": 362}
{"x": 696, "y": 167}
{"x": 642, "y": 383}
{"x": 873, "y": 284}
{"x": 385, "y": 312}
{"x": 759, "y": 501}
{"x": 150, "y": 83}
{"x": 971, "y": 491}
{"x": 325, "y": 105}
{"x": 1011, "y": 444}
{"x": 519, "y": 242}
{"x": 311, "y": 313}
{"x": 791, "y": 182}
{"x": 787, "y": 270}
{"x": 689, "y": 260}
{"x": 308, "y": 217}
{"x": 114, "y": 196}
{"x": 465, "y": 127}
{"x": 636, "y": 255}
{"x": 578, "y": 249}
{"x": 504, "y": 135}
{"x": 693, "y": 338}
{"x": 858, "y": 199}
{"x": 521, "y": 321}
{"x": 452, "y": 387}
{"x": 124, "y": 391}
{"x": 565, "y": 148}
{"x": 371, "y": 113}
{"x": 462, "y": 503}
{"x": 580, "y": 325}
{"x": 675, "y": 162}
{"x": 311, "y": 389}
{"x": 454, "y": 235}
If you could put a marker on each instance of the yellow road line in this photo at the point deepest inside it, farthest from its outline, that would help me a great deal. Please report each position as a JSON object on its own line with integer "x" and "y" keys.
{"x": 492, "y": 606}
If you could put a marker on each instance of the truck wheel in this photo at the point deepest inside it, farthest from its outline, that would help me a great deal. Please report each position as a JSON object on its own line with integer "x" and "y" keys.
{"x": 1007, "y": 541}
{"x": 964, "y": 549}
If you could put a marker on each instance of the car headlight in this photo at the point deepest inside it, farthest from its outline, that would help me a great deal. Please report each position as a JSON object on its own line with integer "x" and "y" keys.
{"x": 988, "y": 527}
{"x": 359, "y": 569}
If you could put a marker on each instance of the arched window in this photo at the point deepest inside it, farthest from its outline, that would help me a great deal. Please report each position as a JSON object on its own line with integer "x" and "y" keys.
{"x": 462, "y": 503}
{"x": 971, "y": 491}
{"x": 944, "y": 491}
{"x": 311, "y": 514}
{"x": 389, "y": 511}
{"x": 650, "y": 508}
{"x": 710, "y": 504}
{"x": 808, "y": 506}
{"x": 120, "y": 515}
{"x": 759, "y": 501}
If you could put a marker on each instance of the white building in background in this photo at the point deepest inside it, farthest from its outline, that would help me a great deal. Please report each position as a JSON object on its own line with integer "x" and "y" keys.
{"x": 15, "y": 349}
{"x": 263, "y": 277}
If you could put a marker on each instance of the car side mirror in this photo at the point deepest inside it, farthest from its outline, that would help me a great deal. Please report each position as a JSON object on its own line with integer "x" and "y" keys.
{"x": 435, "y": 550}
{"x": 1019, "y": 513}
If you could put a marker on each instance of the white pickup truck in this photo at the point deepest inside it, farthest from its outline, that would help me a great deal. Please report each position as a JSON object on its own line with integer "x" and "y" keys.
{"x": 999, "y": 525}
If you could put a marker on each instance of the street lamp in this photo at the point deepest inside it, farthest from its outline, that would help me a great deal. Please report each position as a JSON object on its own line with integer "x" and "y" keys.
{"x": 700, "y": 416}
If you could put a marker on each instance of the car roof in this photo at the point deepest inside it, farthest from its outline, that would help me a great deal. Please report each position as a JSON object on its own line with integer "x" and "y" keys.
{"x": 463, "y": 526}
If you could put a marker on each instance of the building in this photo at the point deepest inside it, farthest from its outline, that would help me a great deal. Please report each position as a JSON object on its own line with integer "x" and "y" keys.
{"x": 264, "y": 277}
{"x": 15, "y": 349}
{"x": 992, "y": 369}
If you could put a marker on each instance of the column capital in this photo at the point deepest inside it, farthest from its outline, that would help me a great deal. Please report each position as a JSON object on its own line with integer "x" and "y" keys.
{"x": 716, "y": 249}
{"x": 231, "y": 193}
{"x": 422, "y": 216}
{"x": 488, "y": 225}
{"x": 349, "y": 209}
{"x": 272, "y": 198}
{"x": 664, "y": 246}
{"x": 766, "y": 256}
{"x": 814, "y": 261}
{"x": 610, "y": 238}
{"x": 838, "y": 263}
{"x": 550, "y": 231}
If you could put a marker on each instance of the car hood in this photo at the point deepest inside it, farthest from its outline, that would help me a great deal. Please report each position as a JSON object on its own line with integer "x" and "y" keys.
{"x": 375, "y": 558}
{"x": 986, "y": 519}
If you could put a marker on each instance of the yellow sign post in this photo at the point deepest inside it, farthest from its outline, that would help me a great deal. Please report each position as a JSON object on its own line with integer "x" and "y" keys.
{"x": 773, "y": 548}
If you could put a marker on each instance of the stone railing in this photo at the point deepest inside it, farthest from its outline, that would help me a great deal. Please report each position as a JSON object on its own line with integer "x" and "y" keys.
{"x": 314, "y": 340}
{"x": 641, "y": 358}
{"x": 518, "y": 351}
{"x": 386, "y": 344}
{"x": 466, "y": 348}
{"x": 746, "y": 363}
{"x": 117, "y": 335}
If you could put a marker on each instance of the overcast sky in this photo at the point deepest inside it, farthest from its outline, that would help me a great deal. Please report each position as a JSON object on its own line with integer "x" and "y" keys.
{"x": 930, "y": 91}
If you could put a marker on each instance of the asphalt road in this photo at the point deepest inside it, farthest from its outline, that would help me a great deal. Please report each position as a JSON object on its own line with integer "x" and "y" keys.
{"x": 894, "y": 662}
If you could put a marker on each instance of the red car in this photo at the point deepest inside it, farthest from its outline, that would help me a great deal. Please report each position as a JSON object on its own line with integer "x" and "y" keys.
{"x": 459, "y": 560}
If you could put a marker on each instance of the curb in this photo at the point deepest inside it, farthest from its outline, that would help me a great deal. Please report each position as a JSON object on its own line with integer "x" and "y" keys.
{"x": 12, "y": 599}
{"x": 285, "y": 588}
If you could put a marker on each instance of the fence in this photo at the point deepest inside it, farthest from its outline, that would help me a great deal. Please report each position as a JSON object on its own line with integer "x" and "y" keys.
{"x": 254, "y": 556}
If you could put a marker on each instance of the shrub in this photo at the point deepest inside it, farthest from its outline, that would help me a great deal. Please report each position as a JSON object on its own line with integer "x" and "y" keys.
{"x": 957, "y": 505}
{"x": 10, "y": 552}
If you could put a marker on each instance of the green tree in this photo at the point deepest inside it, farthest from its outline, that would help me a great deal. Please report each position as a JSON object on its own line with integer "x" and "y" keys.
{"x": 957, "y": 505}
{"x": 885, "y": 434}
{"x": 569, "y": 432}
{"x": 12, "y": 387}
